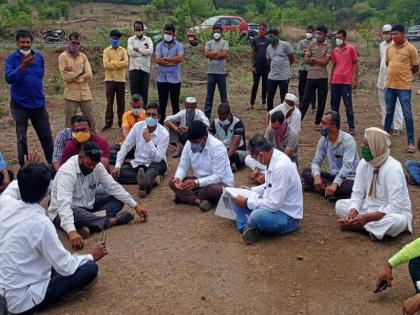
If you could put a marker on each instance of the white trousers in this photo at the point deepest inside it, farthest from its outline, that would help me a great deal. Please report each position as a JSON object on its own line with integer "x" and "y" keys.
{"x": 391, "y": 224}
{"x": 398, "y": 114}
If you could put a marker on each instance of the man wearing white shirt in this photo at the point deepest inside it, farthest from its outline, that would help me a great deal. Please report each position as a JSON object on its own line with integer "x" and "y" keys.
{"x": 36, "y": 271}
{"x": 290, "y": 111}
{"x": 140, "y": 50}
{"x": 151, "y": 141}
{"x": 277, "y": 208}
{"x": 379, "y": 203}
{"x": 179, "y": 122}
{"x": 83, "y": 186}
{"x": 209, "y": 161}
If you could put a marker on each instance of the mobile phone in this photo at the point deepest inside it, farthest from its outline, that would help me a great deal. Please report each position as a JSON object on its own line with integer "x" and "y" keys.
{"x": 103, "y": 237}
{"x": 381, "y": 286}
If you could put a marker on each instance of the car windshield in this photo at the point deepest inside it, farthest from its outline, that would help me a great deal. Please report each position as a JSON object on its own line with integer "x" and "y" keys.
{"x": 211, "y": 20}
{"x": 414, "y": 28}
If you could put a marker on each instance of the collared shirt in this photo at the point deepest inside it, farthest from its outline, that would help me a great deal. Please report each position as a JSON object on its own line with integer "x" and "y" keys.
{"x": 383, "y": 69}
{"x": 73, "y": 147}
{"x": 217, "y": 66}
{"x": 294, "y": 119}
{"x": 61, "y": 139}
{"x": 290, "y": 140}
{"x": 76, "y": 85}
{"x": 26, "y": 86}
{"x": 318, "y": 50}
{"x": 71, "y": 188}
{"x": 226, "y": 133}
{"x": 391, "y": 189}
{"x": 146, "y": 152}
{"x": 342, "y": 157}
{"x": 3, "y": 163}
{"x": 280, "y": 62}
{"x": 344, "y": 59}
{"x": 400, "y": 60}
{"x": 140, "y": 60}
{"x": 115, "y": 62}
{"x": 303, "y": 44}
{"x": 129, "y": 120}
{"x": 30, "y": 248}
{"x": 181, "y": 117}
{"x": 211, "y": 166}
{"x": 169, "y": 74}
{"x": 282, "y": 190}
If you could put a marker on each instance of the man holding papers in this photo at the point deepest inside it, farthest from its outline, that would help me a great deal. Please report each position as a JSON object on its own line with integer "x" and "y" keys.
{"x": 278, "y": 205}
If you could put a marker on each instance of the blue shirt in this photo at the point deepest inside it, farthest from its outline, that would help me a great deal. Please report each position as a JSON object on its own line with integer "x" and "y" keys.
{"x": 169, "y": 74}
{"x": 26, "y": 86}
{"x": 3, "y": 163}
{"x": 342, "y": 157}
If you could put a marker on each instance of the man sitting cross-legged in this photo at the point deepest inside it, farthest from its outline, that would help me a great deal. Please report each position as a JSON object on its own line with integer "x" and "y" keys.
{"x": 82, "y": 186}
{"x": 278, "y": 206}
{"x": 36, "y": 270}
{"x": 379, "y": 204}
{"x": 209, "y": 162}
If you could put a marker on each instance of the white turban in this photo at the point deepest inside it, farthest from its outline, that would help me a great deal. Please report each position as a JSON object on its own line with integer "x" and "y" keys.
{"x": 386, "y": 28}
{"x": 291, "y": 97}
{"x": 191, "y": 100}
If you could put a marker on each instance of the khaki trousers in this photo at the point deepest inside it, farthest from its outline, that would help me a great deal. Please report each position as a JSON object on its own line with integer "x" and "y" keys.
{"x": 71, "y": 107}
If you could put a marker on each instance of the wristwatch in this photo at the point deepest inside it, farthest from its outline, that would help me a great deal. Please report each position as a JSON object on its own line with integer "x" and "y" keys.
{"x": 197, "y": 183}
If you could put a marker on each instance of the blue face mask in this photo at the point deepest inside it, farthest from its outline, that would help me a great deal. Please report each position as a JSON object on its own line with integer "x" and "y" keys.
{"x": 151, "y": 122}
{"x": 325, "y": 132}
{"x": 136, "y": 111}
{"x": 196, "y": 147}
{"x": 114, "y": 42}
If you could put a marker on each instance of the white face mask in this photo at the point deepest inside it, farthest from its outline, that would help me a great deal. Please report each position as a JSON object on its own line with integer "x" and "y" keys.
{"x": 287, "y": 106}
{"x": 25, "y": 52}
{"x": 309, "y": 35}
{"x": 339, "y": 41}
{"x": 168, "y": 38}
{"x": 217, "y": 36}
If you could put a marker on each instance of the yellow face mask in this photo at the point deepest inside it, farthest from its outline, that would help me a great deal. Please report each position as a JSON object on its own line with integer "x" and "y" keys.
{"x": 81, "y": 136}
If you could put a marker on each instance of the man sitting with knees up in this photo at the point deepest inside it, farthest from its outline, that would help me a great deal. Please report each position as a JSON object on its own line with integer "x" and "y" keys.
{"x": 340, "y": 151}
{"x": 278, "y": 206}
{"x": 151, "y": 140}
{"x": 230, "y": 130}
{"x": 379, "y": 204}
{"x": 209, "y": 162}
{"x": 83, "y": 186}
{"x": 36, "y": 270}
{"x": 290, "y": 111}
{"x": 179, "y": 122}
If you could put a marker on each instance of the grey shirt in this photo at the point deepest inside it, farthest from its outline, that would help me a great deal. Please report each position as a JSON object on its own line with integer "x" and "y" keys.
{"x": 217, "y": 66}
{"x": 280, "y": 62}
{"x": 303, "y": 45}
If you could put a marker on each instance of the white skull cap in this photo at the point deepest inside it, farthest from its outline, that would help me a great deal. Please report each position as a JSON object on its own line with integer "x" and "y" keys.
{"x": 386, "y": 28}
{"x": 190, "y": 100}
{"x": 291, "y": 97}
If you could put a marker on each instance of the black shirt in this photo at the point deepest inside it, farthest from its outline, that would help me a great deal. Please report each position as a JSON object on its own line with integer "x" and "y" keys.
{"x": 260, "y": 44}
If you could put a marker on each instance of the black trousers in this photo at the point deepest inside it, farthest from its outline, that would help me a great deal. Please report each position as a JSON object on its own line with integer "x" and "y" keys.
{"x": 114, "y": 151}
{"x": 166, "y": 90}
{"x": 260, "y": 73}
{"x": 139, "y": 83}
{"x": 40, "y": 121}
{"x": 272, "y": 85}
{"x": 301, "y": 88}
{"x": 114, "y": 90}
{"x": 128, "y": 174}
{"x": 312, "y": 85}
{"x": 414, "y": 270}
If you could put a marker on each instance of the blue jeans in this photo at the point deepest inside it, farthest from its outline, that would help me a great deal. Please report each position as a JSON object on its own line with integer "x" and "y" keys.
{"x": 212, "y": 80}
{"x": 404, "y": 97}
{"x": 344, "y": 91}
{"x": 263, "y": 220}
{"x": 413, "y": 169}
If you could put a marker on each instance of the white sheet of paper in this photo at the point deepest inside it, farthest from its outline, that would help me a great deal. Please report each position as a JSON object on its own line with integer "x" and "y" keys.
{"x": 223, "y": 207}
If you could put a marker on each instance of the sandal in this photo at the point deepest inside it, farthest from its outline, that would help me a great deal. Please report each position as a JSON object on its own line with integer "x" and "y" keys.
{"x": 411, "y": 148}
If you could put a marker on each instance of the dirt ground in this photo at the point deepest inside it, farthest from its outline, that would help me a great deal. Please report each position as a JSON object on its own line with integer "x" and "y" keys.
{"x": 184, "y": 261}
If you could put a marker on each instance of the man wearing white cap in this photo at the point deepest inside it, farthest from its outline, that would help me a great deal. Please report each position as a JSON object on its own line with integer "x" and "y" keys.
{"x": 290, "y": 111}
{"x": 398, "y": 116}
{"x": 178, "y": 123}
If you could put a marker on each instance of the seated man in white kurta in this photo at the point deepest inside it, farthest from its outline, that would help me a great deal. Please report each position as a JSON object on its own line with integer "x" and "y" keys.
{"x": 379, "y": 203}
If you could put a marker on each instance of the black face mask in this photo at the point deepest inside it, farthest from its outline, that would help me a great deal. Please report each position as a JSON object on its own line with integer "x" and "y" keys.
{"x": 85, "y": 170}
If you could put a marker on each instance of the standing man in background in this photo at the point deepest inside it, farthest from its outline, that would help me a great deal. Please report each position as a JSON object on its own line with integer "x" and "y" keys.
{"x": 216, "y": 51}
{"x": 303, "y": 67}
{"x": 76, "y": 72}
{"x": 115, "y": 60}
{"x": 260, "y": 66}
{"x": 25, "y": 72}
{"x": 140, "y": 50}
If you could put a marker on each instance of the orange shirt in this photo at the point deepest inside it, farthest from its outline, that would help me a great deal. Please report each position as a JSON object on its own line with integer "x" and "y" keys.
{"x": 400, "y": 60}
{"x": 129, "y": 120}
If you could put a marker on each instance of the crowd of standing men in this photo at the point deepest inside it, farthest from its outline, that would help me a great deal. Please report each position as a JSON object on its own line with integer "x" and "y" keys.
{"x": 85, "y": 172}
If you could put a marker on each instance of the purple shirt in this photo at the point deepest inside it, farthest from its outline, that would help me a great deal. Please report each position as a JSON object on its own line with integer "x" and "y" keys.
{"x": 170, "y": 74}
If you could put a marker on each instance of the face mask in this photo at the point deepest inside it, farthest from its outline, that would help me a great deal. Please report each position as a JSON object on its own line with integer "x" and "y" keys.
{"x": 386, "y": 37}
{"x": 339, "y": 41}
{"x": 151, "y": 122}
{"x": 225, "y": 122}
{"x": 366, "y": 153}
{"x": 85, "y": 170}
{"x": 309, "y": 35}
{"x": 217, "y": 36}
{"x": 325, "y": 132}
{"x": 196, "y": 147}
{"x": 320, "y": 38}
{"x": 25, "y": 52}
{"x": 261, "y": 33}
{"x": 139, "y": 34}
{"x": 168, "y": 38}
{"x": 136, "y": 111}
{"x": 114, "y": 42}
{"x": 73, "y": 49}
{"x": 81, "y": 136}
{"x": 271, "y": 40}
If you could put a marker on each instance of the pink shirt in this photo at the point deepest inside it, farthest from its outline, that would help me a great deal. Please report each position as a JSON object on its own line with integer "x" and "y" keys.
{"x": 344, "y": 60}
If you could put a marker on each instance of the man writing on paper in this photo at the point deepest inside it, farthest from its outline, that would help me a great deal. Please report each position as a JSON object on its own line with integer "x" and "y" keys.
{"x": 278, "y": 206}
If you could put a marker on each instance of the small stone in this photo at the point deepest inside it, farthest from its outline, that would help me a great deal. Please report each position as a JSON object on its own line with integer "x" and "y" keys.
{"x": 203, "y": 298}
{"x": 299, "y": 257}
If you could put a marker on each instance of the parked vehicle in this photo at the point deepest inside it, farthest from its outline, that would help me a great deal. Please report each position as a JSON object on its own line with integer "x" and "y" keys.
{"x": 413, "y": 32}
{"x": 55, "y": 36}
{"x": 228, "y": 23}
{"x": 253, "y": 31}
